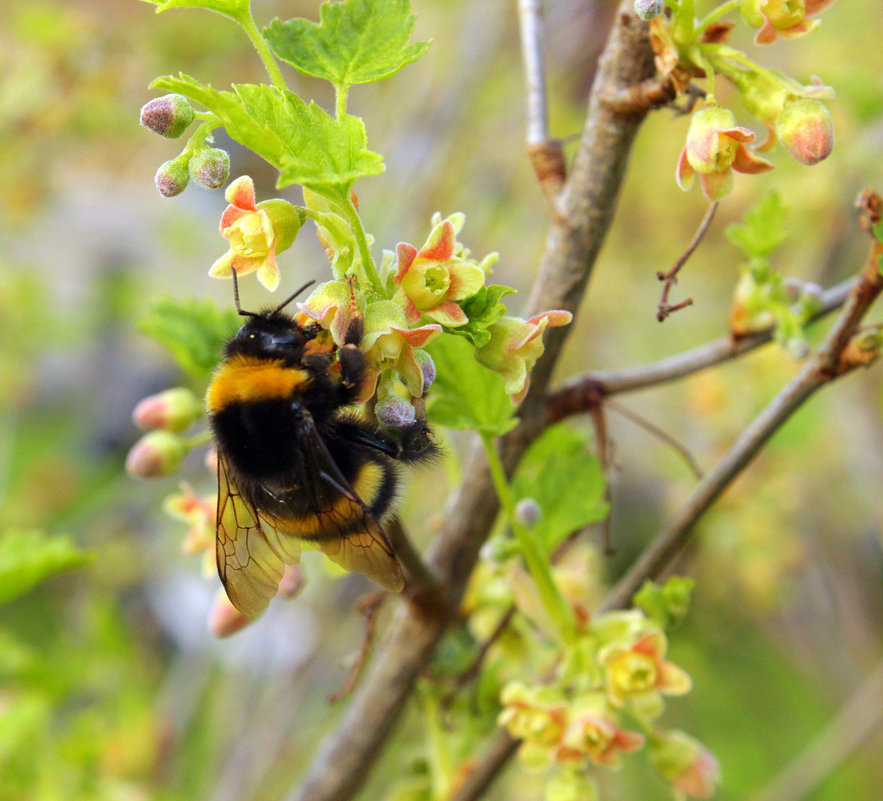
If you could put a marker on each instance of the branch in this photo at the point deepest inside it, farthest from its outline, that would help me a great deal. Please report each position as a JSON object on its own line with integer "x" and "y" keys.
{"x": 577, "y": 394}
{"x": 583, "y": 214}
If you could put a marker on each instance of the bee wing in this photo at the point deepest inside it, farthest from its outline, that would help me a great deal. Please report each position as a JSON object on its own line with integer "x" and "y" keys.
{"x": 348, "y": 533}
{"x": 251, "y": 551}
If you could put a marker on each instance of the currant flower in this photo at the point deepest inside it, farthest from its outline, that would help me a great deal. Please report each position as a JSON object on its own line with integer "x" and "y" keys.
{"x": 257, "y": 233}
{"x": 715, "y": 147}
{"x": 514, "y": 347}
{"x": 787, "y": 18}
{"x": 431, "y": 279}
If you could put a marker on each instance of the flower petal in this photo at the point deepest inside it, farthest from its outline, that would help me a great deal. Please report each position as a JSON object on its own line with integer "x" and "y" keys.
{"x": 685, "y": 173}
{"x": 268, "y": 272}
{"x": 440, "y": 244}
{"x": 405, "y": 255}
{"x": 447, "y": 313}
{"x": 716, "y": 185}
{"x": 231, "y": 215}
{"x": 240, "y": 193}
{"x": 746, "y": 161}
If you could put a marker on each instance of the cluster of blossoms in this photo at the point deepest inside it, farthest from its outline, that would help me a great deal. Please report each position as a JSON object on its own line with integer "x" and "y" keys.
{"x": 793, "y": 114}
{"x": 576, "y": 722}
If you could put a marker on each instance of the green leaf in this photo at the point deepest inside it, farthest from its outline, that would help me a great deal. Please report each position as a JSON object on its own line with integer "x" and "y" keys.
{"x": 235, "y": 9}
{"x": 193, "y": 330}
{"x": 667, "y": 603}
{"x": 566, "y": 480}
{"x": 483, "y": 309}
{"x": 763, "y": 228}
{"x": 355, "y": 41}
{"x": 304, "y": 142}
{"x": 465, "y": 394}
{"x": 28, "y": 557}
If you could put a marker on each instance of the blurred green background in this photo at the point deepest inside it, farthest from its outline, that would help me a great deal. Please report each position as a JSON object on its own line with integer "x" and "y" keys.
{"x": 111, "y": 687}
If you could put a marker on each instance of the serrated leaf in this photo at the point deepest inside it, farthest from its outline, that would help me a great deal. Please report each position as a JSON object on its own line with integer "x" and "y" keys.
{"x": 566, "y": 480}
{"x": 666, "y": 603}
{"x": 465, "y": 394}
{"x": 762, "y": 229}
{"x": 355, "y": 41}
{"x": 236, "y": 9}
{"x": 28, "y": 557}
{"x": 302, "y": 141}
{"x": 193, "y": 330}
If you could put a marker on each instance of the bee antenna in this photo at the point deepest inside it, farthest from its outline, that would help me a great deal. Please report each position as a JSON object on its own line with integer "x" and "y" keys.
{"x": 242, "y": 312}
{"x": 286, "y": 302}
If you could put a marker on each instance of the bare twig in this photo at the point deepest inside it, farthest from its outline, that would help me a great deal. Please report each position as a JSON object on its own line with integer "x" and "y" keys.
{"x": 584, "y": 210}
{"x": 577, "y": 394}
{"x": 546, "y": 155}
{"x": 656, "y": 431}
{"x": 671, "y": 277}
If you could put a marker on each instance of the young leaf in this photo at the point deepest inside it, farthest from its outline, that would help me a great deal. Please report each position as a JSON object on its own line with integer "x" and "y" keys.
{"x": 483, "y": 309}
{"x": 304, "y": 142}
{"x": 193, "y": 330}
{"x": 355, "y": 41}
{"x": 565, "y": 479}
{"x": 236, "y": 9}
{"x": 763, "y": 228}
{"x": 666, "y": 603}
{"x": 27, "y": 557}
{"x": 465, "y": 394}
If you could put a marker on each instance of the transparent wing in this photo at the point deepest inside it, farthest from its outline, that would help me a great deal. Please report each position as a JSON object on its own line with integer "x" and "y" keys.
{"x": 251, "y": 551}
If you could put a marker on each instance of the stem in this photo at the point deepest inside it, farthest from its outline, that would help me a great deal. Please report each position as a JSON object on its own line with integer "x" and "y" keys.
{"x": 537, "y": 565}
{"x": 713, "y": 16}
{"x": 251, "y": 29}
{"x": 683, "y": 29}
{"x": 199, "y": 136}
{"x": 370, "y": 270}
{"x": 340, "y": 94}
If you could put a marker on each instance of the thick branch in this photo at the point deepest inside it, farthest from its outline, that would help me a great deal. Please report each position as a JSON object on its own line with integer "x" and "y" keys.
{"x": 582, "y": 219}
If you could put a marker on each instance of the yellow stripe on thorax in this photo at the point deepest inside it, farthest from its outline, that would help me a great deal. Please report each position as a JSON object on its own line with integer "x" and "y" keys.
{"x": 248, "y": 378}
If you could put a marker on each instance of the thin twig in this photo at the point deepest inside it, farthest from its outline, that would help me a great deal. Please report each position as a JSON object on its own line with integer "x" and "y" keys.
{"x": 656, "y": 431}
{"x": 576, "y": 395}
{"x": 546, "y": 155}
{"x": 671, "y": 277}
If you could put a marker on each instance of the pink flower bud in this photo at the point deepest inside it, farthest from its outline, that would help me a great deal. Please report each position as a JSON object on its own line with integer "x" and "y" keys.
{"x": 528, "y": 512}
{"x": 167, "y": 116}
{"x": 394, "y": 412}
{"x": 427, "y": 367}
{"x": 172, "y": 176}
{"x": 171, "y": 410}
{"x": 647, "y": 9}
{"x": 210, "y": 167}
{"x": 158, "y": 453}
{"x": 806, "y": 130}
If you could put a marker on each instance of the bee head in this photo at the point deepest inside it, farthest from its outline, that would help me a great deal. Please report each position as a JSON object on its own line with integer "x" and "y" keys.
{"x": 270, "y": 333}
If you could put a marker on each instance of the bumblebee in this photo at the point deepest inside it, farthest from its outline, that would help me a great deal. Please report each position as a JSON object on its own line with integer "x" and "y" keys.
{"x": 295, "y": 461}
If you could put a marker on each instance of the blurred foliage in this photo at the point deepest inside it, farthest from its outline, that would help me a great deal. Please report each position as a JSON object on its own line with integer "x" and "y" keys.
{"x": 110, "y": 687}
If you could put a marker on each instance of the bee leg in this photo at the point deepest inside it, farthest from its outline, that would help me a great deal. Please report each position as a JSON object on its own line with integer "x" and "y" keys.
{"x": 347, "y": 493}
{"x": 352, "y": 367}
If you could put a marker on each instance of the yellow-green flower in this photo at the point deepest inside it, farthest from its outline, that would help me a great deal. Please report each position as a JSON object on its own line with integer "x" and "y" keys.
{"x": 514, "y": 347}
{"x": 715, "y": 147}
{"x": 593, "y": 734}
{"x": 786, "y": 18}
{"x": 256, "y": 232}
{"x": 431, "y": 279}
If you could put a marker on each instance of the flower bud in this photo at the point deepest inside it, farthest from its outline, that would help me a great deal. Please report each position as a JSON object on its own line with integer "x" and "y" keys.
{"x": 172, "y": 176}
{"x": 171, "y": 410}
{"x": 647, "y": 9}
{"x": 806, "y": 130}
{"x": 167, "y": 116}
{"x": 394, "y": 412}
{"x": 528, "y": 512}
{"x": 686, "y": 763}
{"x": 210, "y": 167}
{"x": 427, "y": 367}
{"x": 225, "y": 619}
{"x": 158, "y": 453}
